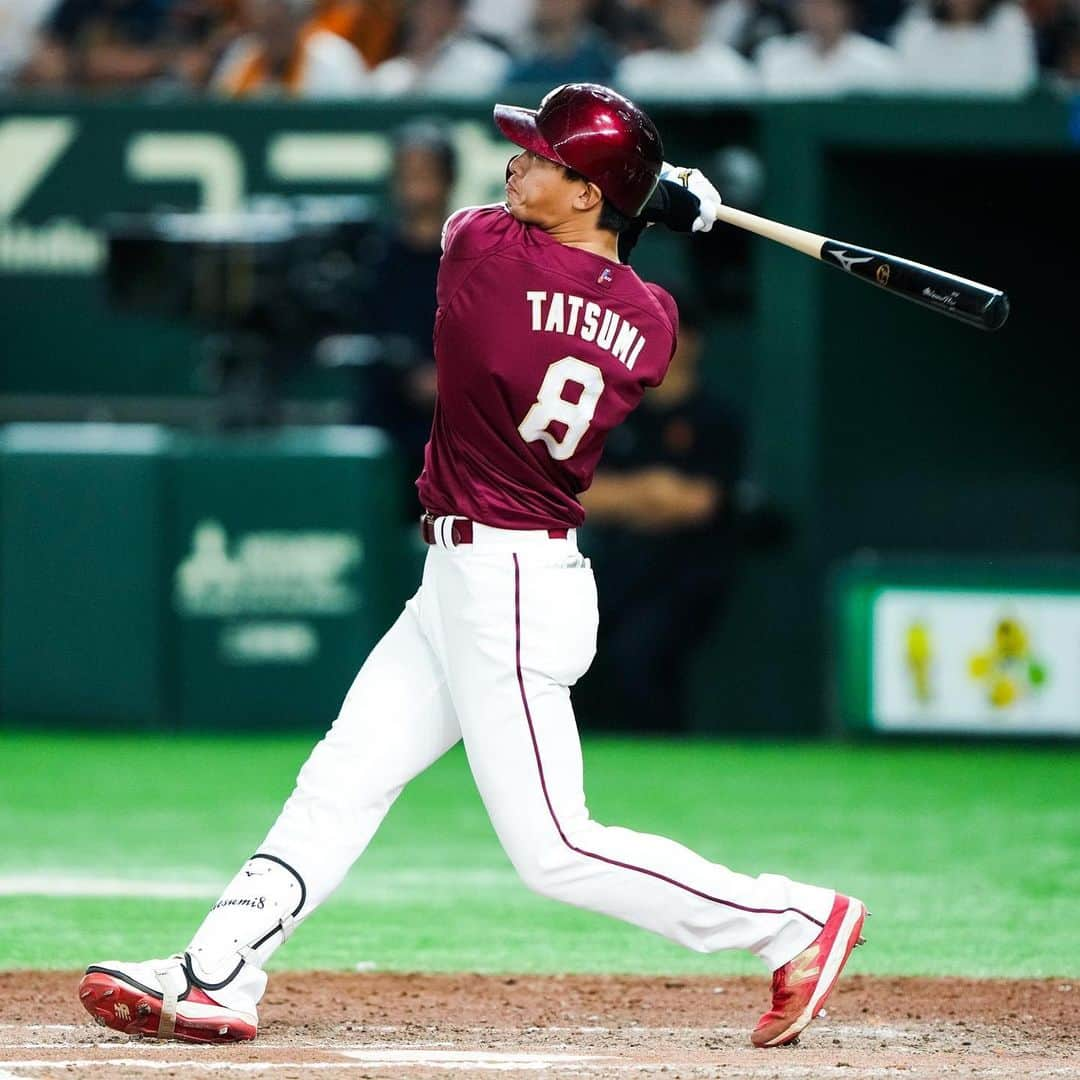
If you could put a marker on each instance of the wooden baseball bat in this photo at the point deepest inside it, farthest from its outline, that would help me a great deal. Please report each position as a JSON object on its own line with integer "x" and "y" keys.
{"x": 957, "y": 297}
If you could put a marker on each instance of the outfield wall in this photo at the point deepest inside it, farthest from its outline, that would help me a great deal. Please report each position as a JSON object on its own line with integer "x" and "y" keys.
{"x": 875, "y": 424}
{"x": 153, "y": 579}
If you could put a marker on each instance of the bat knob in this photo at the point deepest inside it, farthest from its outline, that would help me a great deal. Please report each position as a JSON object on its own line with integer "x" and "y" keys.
{"x": 996, "y": 312}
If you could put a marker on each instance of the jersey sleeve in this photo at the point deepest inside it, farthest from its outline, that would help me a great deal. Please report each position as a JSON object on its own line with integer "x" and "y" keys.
{"x": 476, "y": 230}
{"x": 671, "y": 311}
{"x": 670, "y": 315}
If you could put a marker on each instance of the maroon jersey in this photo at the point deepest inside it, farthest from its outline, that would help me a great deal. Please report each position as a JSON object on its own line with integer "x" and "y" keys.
{"x": 541, "y": 349}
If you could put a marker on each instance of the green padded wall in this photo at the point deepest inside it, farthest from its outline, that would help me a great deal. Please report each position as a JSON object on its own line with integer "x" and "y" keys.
{"x": 286, "y": 566}
{"x": 82, "y": 623}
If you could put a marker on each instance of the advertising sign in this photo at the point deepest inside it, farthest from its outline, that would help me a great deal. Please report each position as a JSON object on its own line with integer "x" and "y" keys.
{"x": 286, "y": 568}
{"x": 972, "y": 661}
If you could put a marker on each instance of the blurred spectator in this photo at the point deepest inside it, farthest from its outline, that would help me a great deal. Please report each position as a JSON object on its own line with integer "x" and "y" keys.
{"x": 628, "y": 24}
{"x": 662, "y": 510}
{"x": 565, "y": 47}
{"x": 504, "y": 21}
{"x": 197, "y": 34}
{"x": 441, "y": 55}
{"x": 688, "y": 65}
{"x": 371, "y": 25}
{"x": 878, "y": 18}
{"x": 1053, "y": 23}
{"x": 286, "y": 54}
{"x": 745, "y": 24}
{"x": 1065, "y": 72}
{"x": 100, "y": 43}
{"x": 973, "y": 46}
{"x": 826, "y": 57}
{"x": 397, "y": 393}
{"x": 20, "y": 21}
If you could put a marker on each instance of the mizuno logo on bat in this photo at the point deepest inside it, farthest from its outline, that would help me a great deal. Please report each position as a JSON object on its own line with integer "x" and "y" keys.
{"x": 848, "y": 261}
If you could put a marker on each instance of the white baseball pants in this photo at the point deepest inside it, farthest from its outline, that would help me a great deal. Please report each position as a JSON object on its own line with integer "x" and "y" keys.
{"x": 486, "y": 651}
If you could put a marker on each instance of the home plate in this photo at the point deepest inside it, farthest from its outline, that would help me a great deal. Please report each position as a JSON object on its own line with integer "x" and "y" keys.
{"x": 471, "y": 1059}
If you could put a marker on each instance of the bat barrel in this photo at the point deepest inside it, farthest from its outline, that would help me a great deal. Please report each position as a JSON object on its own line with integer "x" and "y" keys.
{"x": 959, "y": 298}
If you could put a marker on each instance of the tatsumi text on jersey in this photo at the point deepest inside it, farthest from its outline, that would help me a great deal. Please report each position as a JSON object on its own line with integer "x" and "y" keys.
{"x": 558, "y": 313}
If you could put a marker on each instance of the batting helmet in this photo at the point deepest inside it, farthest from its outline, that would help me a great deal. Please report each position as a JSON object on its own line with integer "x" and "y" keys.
{"x": 595, "y": 132}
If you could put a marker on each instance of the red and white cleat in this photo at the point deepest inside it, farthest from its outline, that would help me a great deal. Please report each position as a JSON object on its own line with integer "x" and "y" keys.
{"x": 159, "y": 998}
{"x": 800, "y": 987}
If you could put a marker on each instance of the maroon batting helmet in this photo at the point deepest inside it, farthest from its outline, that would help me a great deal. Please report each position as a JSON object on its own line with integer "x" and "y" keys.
{"x": 595, "y": 132}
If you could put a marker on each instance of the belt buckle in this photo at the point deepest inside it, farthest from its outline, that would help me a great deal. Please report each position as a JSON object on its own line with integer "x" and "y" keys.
{"x": 427, "y": 528}
{"x": 440, "y": 531}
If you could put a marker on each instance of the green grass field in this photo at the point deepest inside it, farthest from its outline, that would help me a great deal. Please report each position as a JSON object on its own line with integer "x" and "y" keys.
{"x": 967, "y": 855}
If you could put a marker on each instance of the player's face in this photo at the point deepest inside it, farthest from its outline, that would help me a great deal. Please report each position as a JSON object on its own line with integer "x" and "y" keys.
{"x": 538, "y": 191}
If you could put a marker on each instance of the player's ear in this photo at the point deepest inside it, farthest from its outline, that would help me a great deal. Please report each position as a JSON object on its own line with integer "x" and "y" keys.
{"x": 588, "y": 197}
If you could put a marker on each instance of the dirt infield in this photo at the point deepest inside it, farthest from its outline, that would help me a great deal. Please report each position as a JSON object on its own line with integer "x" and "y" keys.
{"x": 420, "y": 1026}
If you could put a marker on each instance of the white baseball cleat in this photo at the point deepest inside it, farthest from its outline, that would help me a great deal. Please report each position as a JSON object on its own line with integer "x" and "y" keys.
{"x": 161, "y": 998}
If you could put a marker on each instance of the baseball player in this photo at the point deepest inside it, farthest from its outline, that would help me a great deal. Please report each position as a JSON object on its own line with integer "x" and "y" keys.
{"x": 544, "y": 341}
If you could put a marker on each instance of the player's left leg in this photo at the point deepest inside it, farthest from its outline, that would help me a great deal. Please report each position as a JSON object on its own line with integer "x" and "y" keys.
{"x": 523, "y": 632}
{"x": 395, "y": 721}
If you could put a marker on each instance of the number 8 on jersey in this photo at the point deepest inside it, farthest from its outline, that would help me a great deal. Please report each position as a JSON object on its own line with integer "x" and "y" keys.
{"x": 552, "y": 405}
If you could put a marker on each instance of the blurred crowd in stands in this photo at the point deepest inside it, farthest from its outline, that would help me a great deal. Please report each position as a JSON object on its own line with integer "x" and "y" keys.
{"x": 474, "y": 48}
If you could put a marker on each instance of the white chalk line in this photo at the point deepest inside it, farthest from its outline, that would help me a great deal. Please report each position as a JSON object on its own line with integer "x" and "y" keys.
{"x": 491, "y": 1062}
{"x": 437, "y": 1059}
{"x": 177, "y": 1063}
{"x": 165, "y": 1046}
{"x": 79, "y": 886}
{"x": 162, "y": 1047}
{"x": 410, "y": 1056}
{"x": 201, "y": 885}
{"x": 5, "y": 1035}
